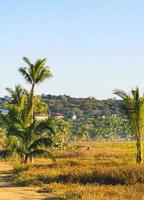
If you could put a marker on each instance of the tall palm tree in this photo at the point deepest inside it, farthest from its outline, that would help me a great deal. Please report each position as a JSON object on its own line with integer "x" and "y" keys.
{"x": 133, "y": 105}
{"x": 35, "y": 74}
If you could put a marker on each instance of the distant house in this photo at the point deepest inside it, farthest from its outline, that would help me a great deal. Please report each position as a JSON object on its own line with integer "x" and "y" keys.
{"x": 59, "y": 115}
{"x": 74, "y": 117}
{"x": 4, "y": 111}
{"x": 41, "y": 117}
{"x": 6, "y": 98}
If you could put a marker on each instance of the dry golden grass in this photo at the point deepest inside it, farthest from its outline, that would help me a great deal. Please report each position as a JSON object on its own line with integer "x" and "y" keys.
{"x": 88, "y": 171}
{"x": 95, "y": 192}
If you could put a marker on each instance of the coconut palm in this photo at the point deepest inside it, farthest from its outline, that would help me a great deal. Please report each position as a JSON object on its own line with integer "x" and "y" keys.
{"x": 29, "y": 141}
{"x": 133, "y": 105}
{"x": 18, "y": 104}
{"x": 25, "y": 137}
{"x": 34, "y": 74}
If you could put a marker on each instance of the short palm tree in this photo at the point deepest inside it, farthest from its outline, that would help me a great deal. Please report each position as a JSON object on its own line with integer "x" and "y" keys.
{"x": 29, "y": 141}
{"x": 133, "y": 105}
{"x": 25, "y": 137}
{"x": 34, "y": 74}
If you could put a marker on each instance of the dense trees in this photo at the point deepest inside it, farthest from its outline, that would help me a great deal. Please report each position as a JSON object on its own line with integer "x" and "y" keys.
{"x": 109, "y": 127}
{"x": 79, "y": 106}
{"x": 61, "y": 131}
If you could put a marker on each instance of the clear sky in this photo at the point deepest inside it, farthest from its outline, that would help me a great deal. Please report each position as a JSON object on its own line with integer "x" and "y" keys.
{"x": 92, "y": 46}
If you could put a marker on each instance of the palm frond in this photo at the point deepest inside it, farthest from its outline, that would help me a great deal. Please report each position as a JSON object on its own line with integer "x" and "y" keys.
{"x": 39, "y": 65}
{"x": 26, "y": 60}
{"x": 44, "y": 126}
{"x": 26, "y": 75}
{"x": 43, "y": 74}
{"x": 5, "y": 119}
{"x": 134, "y": 108}
{"x": 15, "y": 143}
{"x": 45, "y": 141}
{"x": 10, "y": 91}
{"x": 122, "y": 94}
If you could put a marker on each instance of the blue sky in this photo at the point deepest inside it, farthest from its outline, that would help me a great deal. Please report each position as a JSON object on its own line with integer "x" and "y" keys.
{"x": 92, "y": 46}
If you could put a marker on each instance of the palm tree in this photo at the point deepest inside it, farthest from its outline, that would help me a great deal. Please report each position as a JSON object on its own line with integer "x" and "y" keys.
{"x": 35, "y": 74}
{"x": 29, "y": 141}
{"x": 133, "y": 105}
{"x": 25, "y": 137}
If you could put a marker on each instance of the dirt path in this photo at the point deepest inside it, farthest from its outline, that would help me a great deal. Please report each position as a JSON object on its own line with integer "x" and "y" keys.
{"x": 11, "y": 192}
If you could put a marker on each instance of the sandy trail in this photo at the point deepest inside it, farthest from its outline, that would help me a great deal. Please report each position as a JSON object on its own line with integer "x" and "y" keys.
{"x": 12, "y": 192}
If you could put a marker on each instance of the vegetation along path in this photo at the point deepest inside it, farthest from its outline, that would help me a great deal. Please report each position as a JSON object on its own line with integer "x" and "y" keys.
{"x": 10, "y": 192}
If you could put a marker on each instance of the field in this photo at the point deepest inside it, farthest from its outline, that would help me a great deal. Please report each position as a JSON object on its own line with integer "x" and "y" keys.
{"x": 87, "y": 171}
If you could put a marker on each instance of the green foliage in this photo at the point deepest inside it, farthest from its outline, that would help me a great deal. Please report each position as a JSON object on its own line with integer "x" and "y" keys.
{"x": 82, "y": 107}
{"x": 109, "y": 127}
{"x": 62, "y": 131}
{"x": 102, "y": 127}
{"x": 134, "y": 109}
{"x": 40, "y": 107}
{"x": 35, "y": 73}
{"x": 81, "y": 131}
{"x": 25, "y": 137}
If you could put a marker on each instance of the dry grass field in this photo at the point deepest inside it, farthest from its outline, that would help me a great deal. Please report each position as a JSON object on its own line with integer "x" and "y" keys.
{"x": 87, "y": 171}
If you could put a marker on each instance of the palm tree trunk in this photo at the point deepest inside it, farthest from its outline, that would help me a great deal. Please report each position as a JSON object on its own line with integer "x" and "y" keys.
{"x": 31, "y": 102}
{"x": 22, "y": 159}
{"x": 26, "y": 159}
{"x": 31, "y": 159}
{"x": 139, "y": 145}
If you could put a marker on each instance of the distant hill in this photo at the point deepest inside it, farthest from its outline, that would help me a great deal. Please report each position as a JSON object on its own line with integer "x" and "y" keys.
{"x": 82, "y": 107}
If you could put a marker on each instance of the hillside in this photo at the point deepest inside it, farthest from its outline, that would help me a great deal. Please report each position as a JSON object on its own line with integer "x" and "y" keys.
{"x": 82, "y": 107}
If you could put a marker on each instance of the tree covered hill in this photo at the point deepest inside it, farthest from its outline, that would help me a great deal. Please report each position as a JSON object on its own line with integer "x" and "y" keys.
{"x": 82, "y": 107}
{"x": 95, "y": 118}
